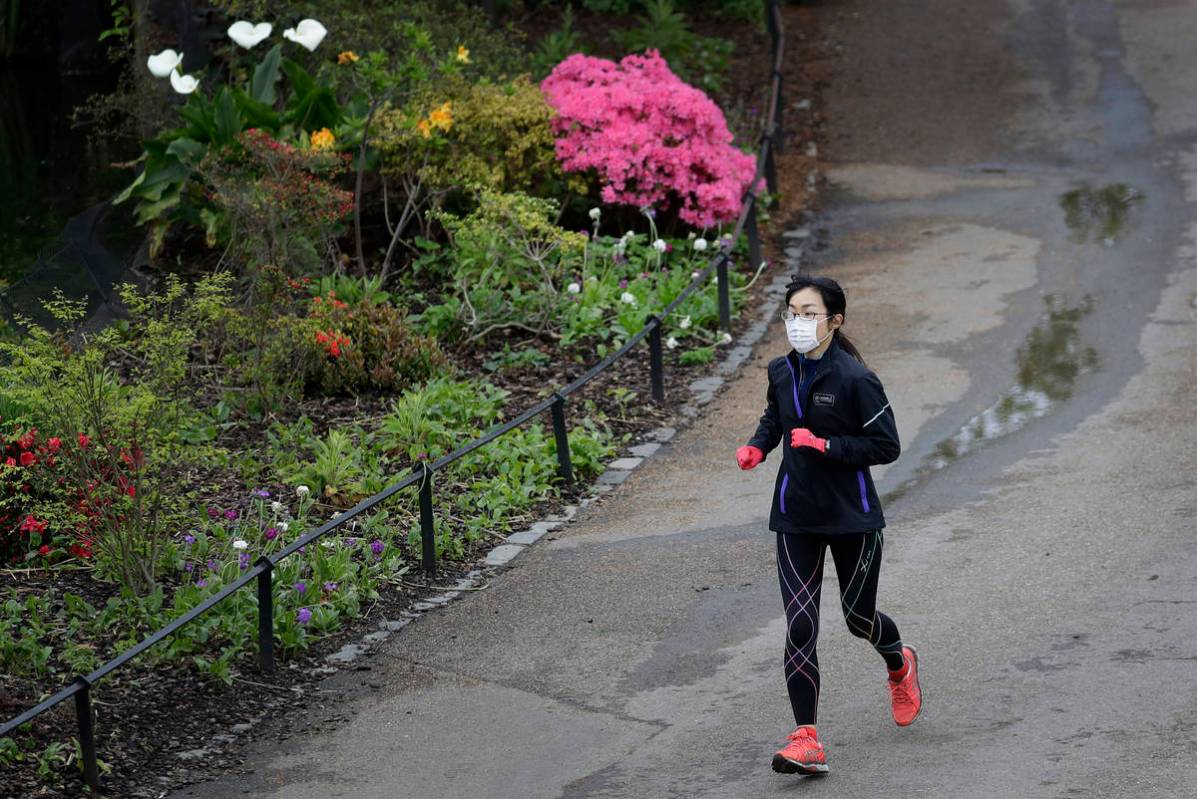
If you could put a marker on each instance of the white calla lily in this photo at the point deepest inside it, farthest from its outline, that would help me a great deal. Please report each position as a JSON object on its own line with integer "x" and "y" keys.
{"x": 164, "y": 63}
{"x": 249, "y": 35}
{"x": 183, "y": 84}
{"x": 308, "y": 33}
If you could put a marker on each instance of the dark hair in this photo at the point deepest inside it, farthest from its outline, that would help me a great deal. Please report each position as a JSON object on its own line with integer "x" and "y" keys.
{"x": 835, "y": 300}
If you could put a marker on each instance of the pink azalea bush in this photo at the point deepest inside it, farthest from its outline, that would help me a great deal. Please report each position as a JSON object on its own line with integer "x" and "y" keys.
{"x": 653, "y": 140}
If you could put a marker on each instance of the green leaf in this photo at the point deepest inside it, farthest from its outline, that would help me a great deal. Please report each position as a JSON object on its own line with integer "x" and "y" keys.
{"x": 198, "y": 113}
{"x": 301, "y": 82}
{"x": 128, "y": 192}
{"x": 312, "y": 105}
{"x": 227, "y": 117}
{"x": 256, "y": 114}
{"x": 266, "y": 76}
{"x": 188, "y": 151}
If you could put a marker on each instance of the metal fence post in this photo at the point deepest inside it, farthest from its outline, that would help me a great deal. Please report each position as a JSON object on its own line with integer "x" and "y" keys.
{"x": 771, "y": 25}
{"x": 656, "y": 366}
{"x": 265, "y": 616}
{"x": 427, "y": 522}
{"x": 754, "y": 236}
{"x": 724, "y": 294}
{"x": 87, "y": 734}
{"x": 565, "y": 469}
{"x": 770, "y": 165}
{"x": 779, "y": 130}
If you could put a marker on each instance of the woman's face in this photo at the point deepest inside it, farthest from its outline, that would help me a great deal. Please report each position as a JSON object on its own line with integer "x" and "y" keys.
{"x": 810, "y": 301}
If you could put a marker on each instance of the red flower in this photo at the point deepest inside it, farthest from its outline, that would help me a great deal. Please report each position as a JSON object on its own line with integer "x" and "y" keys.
{"x": 10, "y": 462}
{"x": 84, "y": 440}
{"x": 28, "y": 459}
{"x": 26, "y": 441}
{"x": 32, "y": 525}
{"x": 55, "y": 444}
{"x": 44, "y": 549}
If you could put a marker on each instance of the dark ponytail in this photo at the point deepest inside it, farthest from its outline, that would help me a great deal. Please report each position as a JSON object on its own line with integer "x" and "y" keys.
{"x": 835, "y": 300}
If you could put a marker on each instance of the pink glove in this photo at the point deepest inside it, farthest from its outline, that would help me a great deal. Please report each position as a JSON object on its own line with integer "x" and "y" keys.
{"x": 749, "y": 457}
{"x": 801, "y": 437}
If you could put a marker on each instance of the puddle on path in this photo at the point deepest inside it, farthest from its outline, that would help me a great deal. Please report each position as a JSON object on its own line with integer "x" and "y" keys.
{"x": 1049, "y": 363}
{"x": 1101, "y": 213}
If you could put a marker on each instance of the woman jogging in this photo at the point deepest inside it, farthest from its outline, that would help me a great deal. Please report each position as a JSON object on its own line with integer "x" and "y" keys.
{"x": 830, "y": 414}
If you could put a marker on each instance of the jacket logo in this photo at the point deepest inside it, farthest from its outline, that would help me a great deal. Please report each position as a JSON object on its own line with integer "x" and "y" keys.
{"x": 826, "y": 400}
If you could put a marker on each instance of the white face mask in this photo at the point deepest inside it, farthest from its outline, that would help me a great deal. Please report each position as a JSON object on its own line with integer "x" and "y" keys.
{"x": 804, "y": 334}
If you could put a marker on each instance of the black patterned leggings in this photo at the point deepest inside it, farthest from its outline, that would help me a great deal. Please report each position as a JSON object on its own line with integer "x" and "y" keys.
{"x": 800, "y": 571}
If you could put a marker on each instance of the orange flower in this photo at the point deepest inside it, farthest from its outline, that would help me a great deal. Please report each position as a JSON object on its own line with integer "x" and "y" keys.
{"x": 463, "y": 54}
{"x": 323, "y": 139}
{"x": 347, "y": 57}
{"x": 425, "y": 128}
{"x": 442, "y": 117}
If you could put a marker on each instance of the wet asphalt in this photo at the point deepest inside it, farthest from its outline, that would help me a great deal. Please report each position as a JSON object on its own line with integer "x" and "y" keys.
{"x": 1010, "y": 205}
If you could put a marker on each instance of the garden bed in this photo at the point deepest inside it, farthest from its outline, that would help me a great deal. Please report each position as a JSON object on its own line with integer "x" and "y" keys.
{"x": 160, "y": 720}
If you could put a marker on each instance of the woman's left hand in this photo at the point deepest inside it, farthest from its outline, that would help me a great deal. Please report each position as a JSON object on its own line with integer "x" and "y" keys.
{"x": 801, "y": 437}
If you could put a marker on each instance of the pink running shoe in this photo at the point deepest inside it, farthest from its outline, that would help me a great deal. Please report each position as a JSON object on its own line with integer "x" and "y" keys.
{"x": 802, "y": 755}
{"x": 904, "y": 690}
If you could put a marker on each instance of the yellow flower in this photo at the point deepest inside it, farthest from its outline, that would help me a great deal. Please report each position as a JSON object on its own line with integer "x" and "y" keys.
{"x": 425, "y": 128}
{"x": 463, "y": 54}
{"x": 323, "y": 139}
{"x": 442, "y": 117}
{"x": 347, "y": 57}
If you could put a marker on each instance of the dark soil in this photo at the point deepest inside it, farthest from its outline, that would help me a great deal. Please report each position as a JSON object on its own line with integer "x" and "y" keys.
{"x": 161, "y": 726}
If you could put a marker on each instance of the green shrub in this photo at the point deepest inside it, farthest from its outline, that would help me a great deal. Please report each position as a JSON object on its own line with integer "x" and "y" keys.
{"x": 380, "y": 350}
{"x": 507, "y": 266}
{"x": 699, "y": 60}
{"x": 121, "y": 433}
{"x": 497, "y": 137}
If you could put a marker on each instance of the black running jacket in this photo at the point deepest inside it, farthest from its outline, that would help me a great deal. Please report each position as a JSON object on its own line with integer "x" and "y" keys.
{"x": 830, "y": 492}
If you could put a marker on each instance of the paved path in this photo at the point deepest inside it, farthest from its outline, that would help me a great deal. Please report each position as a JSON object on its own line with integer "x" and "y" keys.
{"x": 1041, "y": 549}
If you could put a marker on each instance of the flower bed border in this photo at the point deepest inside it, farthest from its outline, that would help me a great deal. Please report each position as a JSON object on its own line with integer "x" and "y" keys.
{"x": 262, "y": 570}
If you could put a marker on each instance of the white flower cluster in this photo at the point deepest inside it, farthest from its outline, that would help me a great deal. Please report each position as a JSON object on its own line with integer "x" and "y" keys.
{"x": 308, "y": 33}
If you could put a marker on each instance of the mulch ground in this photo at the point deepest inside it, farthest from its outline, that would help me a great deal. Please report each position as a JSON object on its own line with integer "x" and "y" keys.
{"x": 161, "y": 726}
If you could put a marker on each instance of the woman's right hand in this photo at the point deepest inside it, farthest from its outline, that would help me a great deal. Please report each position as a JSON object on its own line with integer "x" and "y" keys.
{"x": 749, "y": 457}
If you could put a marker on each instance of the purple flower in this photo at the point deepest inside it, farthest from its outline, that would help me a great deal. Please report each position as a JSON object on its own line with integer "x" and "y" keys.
{"x": 230, "y": 514}
{"x": 623, "y": 284}
{"x": 213, "y": 513}
{"x": 188, "y": 566}
{"x": 201, "y": 583}
{"x": 188, "y": 540}
{"x": 263, "y": 493}
{"x": 618, "y": 258}
{"x": 668, "y": 247}
{"x": 376, "y": 546}
{"x": 300, "y": 587}
{"x": 213, "y": 565}
{"x": 350, "y": 542}
{"x": 244, "y": 560}
{"x": 271, "y": 533}
{"x": 330, "y": 587}
{"x": 303, "y": 616}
